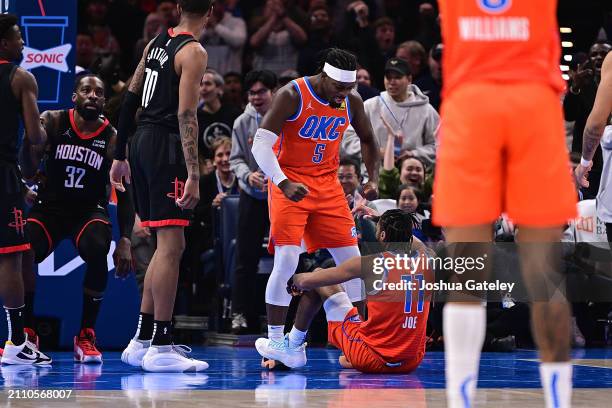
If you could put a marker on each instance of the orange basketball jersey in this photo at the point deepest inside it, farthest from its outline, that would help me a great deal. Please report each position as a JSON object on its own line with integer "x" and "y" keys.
{"x": 500, "y": 40}
{"x": 309, "y": 143}
{"x": 397, "y": 317}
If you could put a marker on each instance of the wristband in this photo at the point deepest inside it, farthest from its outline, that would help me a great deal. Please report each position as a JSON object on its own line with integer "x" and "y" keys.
{"x": 584, "y": 162}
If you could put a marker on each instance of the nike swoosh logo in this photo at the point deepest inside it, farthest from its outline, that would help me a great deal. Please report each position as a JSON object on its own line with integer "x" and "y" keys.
{"x": 32, "y": 356}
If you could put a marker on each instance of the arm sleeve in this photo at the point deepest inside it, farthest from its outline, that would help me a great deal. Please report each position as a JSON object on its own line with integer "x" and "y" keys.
{"x": 127, "y": 115}
{"x": 125, "y": 212}
{"x": 265, "y": 157}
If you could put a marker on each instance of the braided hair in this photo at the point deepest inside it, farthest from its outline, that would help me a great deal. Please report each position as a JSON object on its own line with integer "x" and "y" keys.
{"x": 339, "y": 58}
{"x": 397, "y": 225}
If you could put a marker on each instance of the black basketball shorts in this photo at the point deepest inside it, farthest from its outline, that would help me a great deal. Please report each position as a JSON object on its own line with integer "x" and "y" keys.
{"x": 13, "y": 237}
{"x": 59, "y": 221}
{"x": 158, "y": 175}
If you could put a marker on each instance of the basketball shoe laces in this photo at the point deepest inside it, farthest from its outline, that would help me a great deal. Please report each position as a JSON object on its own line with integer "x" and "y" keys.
{"x": 88, "y": 343}
{"x": 182, "y": 349}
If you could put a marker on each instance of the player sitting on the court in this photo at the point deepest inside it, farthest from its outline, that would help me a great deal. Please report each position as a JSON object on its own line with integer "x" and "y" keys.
{"x": 392, "y": 339}
{"x": 72, "y": 199}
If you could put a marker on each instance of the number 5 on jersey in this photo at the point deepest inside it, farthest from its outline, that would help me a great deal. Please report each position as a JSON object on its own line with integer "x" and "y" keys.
{"x": 317, "y": 157}
{"x": 149, "y": 86}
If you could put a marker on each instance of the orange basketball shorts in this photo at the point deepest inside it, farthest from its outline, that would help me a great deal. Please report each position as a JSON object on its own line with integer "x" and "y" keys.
{"x": 502, "y": 149}
{"x": 322, "y": 218}
{"x": 347, "y": 337}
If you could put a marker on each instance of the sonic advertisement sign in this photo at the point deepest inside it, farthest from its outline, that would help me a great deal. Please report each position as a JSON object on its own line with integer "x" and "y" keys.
{"x": 48, "y": 28}
{"x": 46, "y": 54}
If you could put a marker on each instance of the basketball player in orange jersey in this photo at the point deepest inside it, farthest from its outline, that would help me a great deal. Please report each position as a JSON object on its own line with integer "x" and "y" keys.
{"x": 504, "y": 55}
{"x": 392, "y": 339}
{"x": 297, "y": 147}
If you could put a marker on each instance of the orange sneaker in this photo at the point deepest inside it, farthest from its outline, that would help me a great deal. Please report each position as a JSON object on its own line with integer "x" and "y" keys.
{"x": 85, "y": 350}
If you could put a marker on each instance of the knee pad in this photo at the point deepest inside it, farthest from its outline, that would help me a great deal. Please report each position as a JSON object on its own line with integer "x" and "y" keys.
{"x": 93, "y": 243}
{"x": 286, "y": 259}
{"x": 40, "y": 240}
{"x": 337, "y": 306}
{"x": 344, "y": 253}
{"x": 355, "y": 289}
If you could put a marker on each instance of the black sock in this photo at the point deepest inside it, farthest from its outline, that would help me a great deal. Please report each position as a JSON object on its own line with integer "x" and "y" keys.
{"x": 91, "y": 307}
{"x": 14, "y": 319}
{"x": 145, "y": 327}
{"x": 162, "y": 335}
{"x": 28, "y": 320}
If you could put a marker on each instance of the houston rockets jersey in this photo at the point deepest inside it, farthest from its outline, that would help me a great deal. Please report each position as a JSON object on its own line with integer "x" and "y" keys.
{"x": 309, "y": 143}
{"x": 397, "y": 316}
{"x": 500, "y": 40}
{"x": 76, "y": 165}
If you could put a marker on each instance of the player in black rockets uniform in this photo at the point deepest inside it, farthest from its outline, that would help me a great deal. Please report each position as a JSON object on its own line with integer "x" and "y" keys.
{"x": 164, "y": 166}
{"x": 18, "y": 94}
{"x": 72, "y": 197}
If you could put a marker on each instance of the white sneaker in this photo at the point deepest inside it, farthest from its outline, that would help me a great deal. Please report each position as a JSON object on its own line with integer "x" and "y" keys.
{"x": 135, "y": 351}
{"x": 26, "y": 353}
{"x": 292, "y": 357}
{"x": 171, "y": 359}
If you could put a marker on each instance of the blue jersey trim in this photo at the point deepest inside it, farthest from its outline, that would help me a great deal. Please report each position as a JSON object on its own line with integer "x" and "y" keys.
{"x": 299, "y": 111}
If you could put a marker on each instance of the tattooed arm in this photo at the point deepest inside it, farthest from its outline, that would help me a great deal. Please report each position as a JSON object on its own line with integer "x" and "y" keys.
{"x": 596, "y": 122}
{"x": 190, "y": 64}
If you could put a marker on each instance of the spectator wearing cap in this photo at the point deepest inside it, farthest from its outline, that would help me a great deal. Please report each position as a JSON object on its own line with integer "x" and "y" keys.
{"x": 215, "y": 119}
{"x": 407, "y": 111}
{"x": 253, "y": 221}
{"x": 224, "y": 40}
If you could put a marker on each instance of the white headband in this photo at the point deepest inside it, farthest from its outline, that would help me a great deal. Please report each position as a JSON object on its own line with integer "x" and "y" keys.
{"x": 340, "y": 75}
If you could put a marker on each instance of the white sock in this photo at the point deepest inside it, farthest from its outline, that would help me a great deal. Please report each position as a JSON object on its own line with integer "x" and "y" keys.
{"x": 464, "y": 332}
{"x": 296, "y": 337}
{"x": 557, "y": 383}
{"x": 276, "y": 333}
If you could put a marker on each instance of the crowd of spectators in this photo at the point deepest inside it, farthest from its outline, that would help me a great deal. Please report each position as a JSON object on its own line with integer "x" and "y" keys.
{"x": 256, "y": 46}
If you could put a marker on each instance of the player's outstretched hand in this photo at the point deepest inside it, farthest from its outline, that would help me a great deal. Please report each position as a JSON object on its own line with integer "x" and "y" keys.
{"x": 191, "y": 195}
{"x": 293, "y": 191}
{"x": 582, "y": 174}
{"x": 370, "y": 190}
{"x": 122, "y": 257}
{"x": 120, "y": 170}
